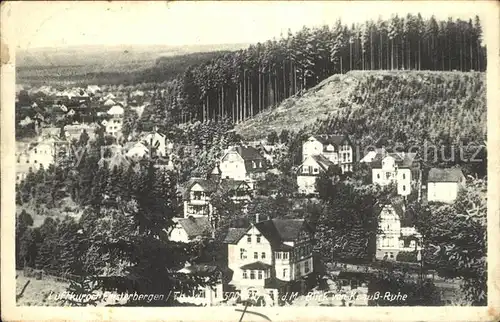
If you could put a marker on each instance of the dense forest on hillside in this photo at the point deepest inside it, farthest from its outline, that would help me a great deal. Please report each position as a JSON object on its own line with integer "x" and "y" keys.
{"x": 240, "y": 84}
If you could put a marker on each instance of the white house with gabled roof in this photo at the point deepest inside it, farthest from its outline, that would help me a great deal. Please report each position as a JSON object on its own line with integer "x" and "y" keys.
{"x": 268, "y": 255}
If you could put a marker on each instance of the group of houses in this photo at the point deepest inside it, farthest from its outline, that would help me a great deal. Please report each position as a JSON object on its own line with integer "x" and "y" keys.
{"x": 272, "y": 255}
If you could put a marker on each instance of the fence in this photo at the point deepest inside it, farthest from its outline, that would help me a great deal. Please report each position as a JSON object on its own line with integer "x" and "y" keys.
{"x": 41, "y": 274}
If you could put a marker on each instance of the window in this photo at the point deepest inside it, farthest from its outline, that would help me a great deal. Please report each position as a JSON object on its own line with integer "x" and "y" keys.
{"x": 258, "y": 238}
{"x": 249, "y": 238}
{"x": 254, "y": 165}
{"x": 404, "y": 187}
{"x": 259, "y": 275}
{"x": 306, "y": 267}
{"x": 391, "y": 255}
{"x": 278, "y": 255}
{"x": 263, "y": 255}
{"x": 387, "y": 175}
{"x": 27, "y": 161}
{"x": 243, "y": 253}
{"x": 255, "y": 255}
{"x": 285, "y": 255}
{"x": 252, "y": 275}
{"x": 316, "y": 170}
{"x": 36, "y": 151}
{"x": 378, "y": 175}
{"x": 404, "y": 176}
{"x": 245, "y": 274}
{"x": 260, "y": 164}
{"x": 304, "y": 169}
{"x": 197, "y": 195}
{"x": 284, "y": 272}
{"x": 310, "y": 169}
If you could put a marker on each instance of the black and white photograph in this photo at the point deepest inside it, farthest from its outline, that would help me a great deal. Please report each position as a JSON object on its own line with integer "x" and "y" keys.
{"x": 249, "y": 155}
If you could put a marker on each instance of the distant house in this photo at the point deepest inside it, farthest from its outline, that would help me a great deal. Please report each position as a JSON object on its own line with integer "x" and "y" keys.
{"x": 109, "y": 102}
{"x": 268, "y": 255}
{"x": 137, "y": 151}
{"x": 370, "y": 156}
{"x": 73, "y": 131}
{"x": 396, "y": 233}
{"x": 241, "y": 163}
{"x": 116, "y": 160}
{"x": 400, "y": 168}
{"x": 196, "y": 197}
{"x": 158, "y": 141}
{"x": 443, "y": 185}
{"x": 205, "y": 295}
{"x": 197, "y": 193}
{"x": 115, "y": 122}
{"x": 41, "y": 153}
{"x": 189, "y": 229}
{"x": 309, "y": 171}
{"x": 336, "y": 148}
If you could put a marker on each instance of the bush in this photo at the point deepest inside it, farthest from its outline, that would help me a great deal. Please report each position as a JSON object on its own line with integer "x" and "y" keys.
{"x": 407, "y": 257}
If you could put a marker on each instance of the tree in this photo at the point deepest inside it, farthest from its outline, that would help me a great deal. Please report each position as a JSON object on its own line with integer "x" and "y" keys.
{"x": 455, "y": 240}
{"x": 272, "y": 137}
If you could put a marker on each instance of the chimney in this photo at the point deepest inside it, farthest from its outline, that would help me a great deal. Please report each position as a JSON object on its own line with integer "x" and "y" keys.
{"x": 257, "y": 218}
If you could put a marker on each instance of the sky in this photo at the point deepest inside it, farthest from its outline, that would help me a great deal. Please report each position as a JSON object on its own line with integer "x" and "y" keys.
{"x": 62, "y": 24}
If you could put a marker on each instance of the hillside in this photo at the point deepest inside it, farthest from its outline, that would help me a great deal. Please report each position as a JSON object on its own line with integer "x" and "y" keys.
{"x": 403, "y": 106}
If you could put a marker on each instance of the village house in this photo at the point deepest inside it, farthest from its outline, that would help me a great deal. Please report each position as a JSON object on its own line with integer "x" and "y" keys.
{"x": 158, "y": 141}
{"x": 197, "y": 195}
{"x": 269, "y": 256}
{"x": 204, "y": 295}
{"x": 38, "y": 154}
{"x": 73, "y": 131}
{"x": 241, "y": 163}
{"x": 186, "y": 230}
{"x": 443, "y": 185}
{"x": 196, "y": 198}
{"x": 136, "y": 150}
{"x": 399, "y": 168}
{"x": 397, "y": 234}
{"x": 115, "y": 122}
{"x": 309, "y": 171}
{"x": 336, "y": 148}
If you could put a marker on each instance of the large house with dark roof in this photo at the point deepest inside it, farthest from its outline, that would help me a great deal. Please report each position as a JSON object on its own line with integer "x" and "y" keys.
{"x": 241, "y": 163}
{"x": 336, "y": 148}
{"x": 400, "y": 168}
{"x": 443, "y": 185}
{"x": 268, "y": 255}
{"x": 396, "y": 231}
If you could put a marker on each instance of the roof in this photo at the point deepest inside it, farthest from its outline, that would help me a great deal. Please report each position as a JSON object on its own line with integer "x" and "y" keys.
{"x": 116, "y": 160}
{"x": 248, "y": 153}
{"x": 116, "y": 110}
{"x": 109, "y": 102}
{"x": 278, "y": 231}
{"x": 207, "y": 185}
{"x": 196, "y": 226}
{"x": 275, "y": 283}
{"x": 200, "y": 269}
{"x": 234, "y": 235}
{"x": 322, "y": 161}
{"x": 402, "y": 159}
{"x": 397, "y": 204}
{"x": 258, "y": 265}
{"x": 445, "y": 175}
{"x": 230, "y": 184}
{"x": 333, "y": 139}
